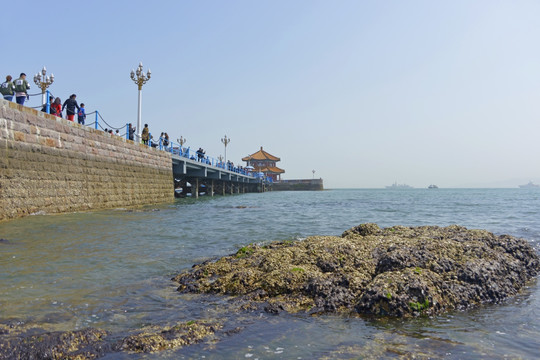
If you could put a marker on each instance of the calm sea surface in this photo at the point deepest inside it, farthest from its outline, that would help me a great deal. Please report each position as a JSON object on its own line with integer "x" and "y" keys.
{"x": 112, "y": 270}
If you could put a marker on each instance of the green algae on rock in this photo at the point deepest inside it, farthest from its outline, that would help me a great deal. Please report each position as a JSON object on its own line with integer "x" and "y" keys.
{"x": 396, "y": 271}
{"x": 156, "y": 339}
{"x": 30, "y": 342}
{"x": 75, "y": 345}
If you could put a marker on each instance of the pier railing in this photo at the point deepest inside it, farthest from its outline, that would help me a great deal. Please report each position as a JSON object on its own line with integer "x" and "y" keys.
{"x": 172, "y": 147}
{"x": 195, "y": 155}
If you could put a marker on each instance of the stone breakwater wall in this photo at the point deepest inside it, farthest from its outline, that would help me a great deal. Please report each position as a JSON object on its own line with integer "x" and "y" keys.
{"x": 300, "y": 184}
{"x": 52, "y": 165}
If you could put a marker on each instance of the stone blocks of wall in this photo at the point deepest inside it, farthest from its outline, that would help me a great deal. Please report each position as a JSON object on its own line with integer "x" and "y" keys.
{"x": 52, "y": 165}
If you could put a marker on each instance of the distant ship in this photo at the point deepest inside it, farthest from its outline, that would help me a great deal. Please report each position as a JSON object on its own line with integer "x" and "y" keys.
{"x": 432, "y": 186}
{"x": 529, "y": 185}
{"x": 399, "y": 186}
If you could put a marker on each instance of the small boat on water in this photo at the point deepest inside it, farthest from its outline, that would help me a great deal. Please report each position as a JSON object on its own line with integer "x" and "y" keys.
{"x": 399, "y": 186}
{"x": 529, "y": 185}
{"x": 432, "y": 186}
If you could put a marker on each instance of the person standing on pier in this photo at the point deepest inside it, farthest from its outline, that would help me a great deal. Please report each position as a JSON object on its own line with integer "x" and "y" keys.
{"x": 145, "y": 136}
{"x": 44, "y": 108}
{"x": 131, "y": 132}
{"x": 56, "y": 107}
{"x": 70, "y": 104}
{"x": 81, "y": 115}
{"x": 21, "y": 88}
{"x": 7, "y": 89}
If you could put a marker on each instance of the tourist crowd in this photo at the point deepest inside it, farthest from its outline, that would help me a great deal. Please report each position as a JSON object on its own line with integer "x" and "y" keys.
{"x": 19, "y": 89}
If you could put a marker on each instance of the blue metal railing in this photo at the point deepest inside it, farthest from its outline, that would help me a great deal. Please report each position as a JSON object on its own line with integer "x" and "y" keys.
{"x": 186, "y": 152}
{"x": 177, "y": 149}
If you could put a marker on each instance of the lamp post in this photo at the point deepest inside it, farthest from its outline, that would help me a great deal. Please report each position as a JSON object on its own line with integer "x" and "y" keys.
{"x": 140, "y": 80}
{"x": 43, "y": 83}
{"x": 181, "y": 141}
{"x": 313, "y": 171}
{"x": 225, "y": 142}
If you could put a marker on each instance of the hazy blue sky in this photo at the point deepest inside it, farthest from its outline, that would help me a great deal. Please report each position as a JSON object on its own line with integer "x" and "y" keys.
{"x": 363, "y": 92}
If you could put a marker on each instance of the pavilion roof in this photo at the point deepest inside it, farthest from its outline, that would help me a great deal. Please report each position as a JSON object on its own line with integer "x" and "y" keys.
{"x": 272, "y": 170}
{"x": 261, "y": 155}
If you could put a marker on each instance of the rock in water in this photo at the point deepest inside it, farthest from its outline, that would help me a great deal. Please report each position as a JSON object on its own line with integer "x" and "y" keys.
{"x": 396, "y": 271}
{"x": 29, "y": 342}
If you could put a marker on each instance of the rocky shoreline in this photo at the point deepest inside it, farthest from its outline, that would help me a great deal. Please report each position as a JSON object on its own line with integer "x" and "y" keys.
{"x": 21, "y": 341}
{"x": 397, "y": 271}
{"x": 368, "y": 271}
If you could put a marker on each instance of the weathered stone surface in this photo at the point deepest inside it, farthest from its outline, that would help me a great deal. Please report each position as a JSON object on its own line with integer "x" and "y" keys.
{"x": 49, "y": 164}
{"x": 81, "y": 344}
{"x": 22, "y": 341}
{"x": 156, "y": 339}
{"x": 397, "y": 271}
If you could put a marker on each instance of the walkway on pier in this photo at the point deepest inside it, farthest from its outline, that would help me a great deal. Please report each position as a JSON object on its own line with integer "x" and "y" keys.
{"x": 206, "y": 174}
{"x": 194, "y": 177}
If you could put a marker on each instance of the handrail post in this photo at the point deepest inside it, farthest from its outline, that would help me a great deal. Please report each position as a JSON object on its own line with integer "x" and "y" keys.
{"x": 97, "y": 114}
{"x": 48, "y": 102}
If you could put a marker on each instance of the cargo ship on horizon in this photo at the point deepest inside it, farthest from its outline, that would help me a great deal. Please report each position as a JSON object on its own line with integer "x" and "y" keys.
{"x": 399, "y": 186}
{"x": 529, "y": 185}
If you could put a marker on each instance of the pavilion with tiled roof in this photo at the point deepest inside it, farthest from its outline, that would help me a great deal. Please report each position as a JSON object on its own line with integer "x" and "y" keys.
{"x": 266, "y": 163}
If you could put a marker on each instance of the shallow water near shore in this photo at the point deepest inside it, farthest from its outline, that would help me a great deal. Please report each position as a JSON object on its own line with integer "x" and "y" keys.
{"x": 112, "y": 269}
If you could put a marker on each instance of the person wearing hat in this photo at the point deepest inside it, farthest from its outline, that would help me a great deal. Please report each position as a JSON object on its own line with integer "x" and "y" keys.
{"x": 21, "y": 87}
{"x": 7, "y": 89}
{"x": 71, "y": 104}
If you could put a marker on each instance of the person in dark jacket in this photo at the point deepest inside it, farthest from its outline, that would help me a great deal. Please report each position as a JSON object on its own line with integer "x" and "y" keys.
{"x": 70, "y": 105}
{"x": 51, "y": 102}
{"x": 131, "y": 132}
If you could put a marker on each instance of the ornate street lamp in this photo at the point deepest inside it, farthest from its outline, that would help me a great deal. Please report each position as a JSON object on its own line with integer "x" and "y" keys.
{"x": 43, "y": 83}
{"x": 225, "y": 142}
{"x": 181, "y": 141}
{"x": 140, "y": 80}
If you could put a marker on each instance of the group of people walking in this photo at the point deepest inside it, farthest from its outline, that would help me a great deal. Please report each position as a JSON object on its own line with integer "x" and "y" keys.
{"x": 56, "y": 107}
{"x": 19, "y": 88}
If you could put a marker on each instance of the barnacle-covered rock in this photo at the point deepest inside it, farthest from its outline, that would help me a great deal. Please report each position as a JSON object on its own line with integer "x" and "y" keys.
{"x": 397, "y": 271}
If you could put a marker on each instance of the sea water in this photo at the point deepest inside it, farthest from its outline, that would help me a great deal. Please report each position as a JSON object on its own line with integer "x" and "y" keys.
{"x": 112, "y": 270}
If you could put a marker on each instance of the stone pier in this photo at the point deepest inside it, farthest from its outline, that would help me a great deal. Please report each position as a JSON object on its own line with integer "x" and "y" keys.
{"x": 52, "y": 165}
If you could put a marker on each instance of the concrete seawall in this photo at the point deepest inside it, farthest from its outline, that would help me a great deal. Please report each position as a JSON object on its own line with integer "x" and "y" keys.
{"x": 54, "y": 165}
{"x": 300, "y": 184}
